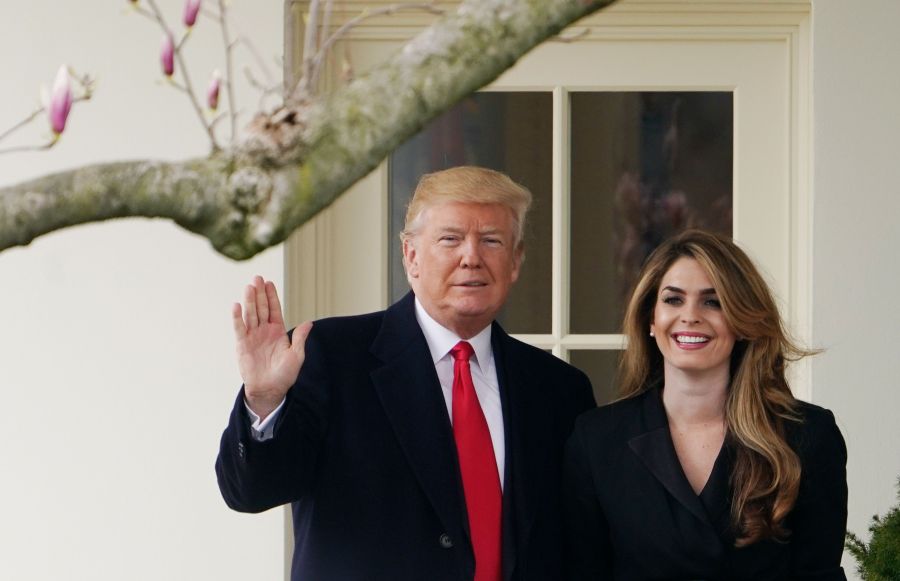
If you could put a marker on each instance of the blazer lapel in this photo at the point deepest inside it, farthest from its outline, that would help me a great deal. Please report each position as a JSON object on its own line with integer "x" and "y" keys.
{"x": 524, "y": 419}
{"x": 716, "y": 494}
{"x": 657, "y": 452}
{"x": 410, "y": 393}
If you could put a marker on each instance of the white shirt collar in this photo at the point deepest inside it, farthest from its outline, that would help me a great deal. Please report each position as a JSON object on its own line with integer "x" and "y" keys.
{"x": 441, "y": 339}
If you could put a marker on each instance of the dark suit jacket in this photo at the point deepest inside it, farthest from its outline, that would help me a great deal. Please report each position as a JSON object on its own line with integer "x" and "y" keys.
{"x": 631, "y": 513}
{"x": 364, "y": 450}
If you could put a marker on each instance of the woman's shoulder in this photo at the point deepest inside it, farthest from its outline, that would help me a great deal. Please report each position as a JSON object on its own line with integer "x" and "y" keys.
{"x": 616, "y": 420}
{"x": 816, "y": 434}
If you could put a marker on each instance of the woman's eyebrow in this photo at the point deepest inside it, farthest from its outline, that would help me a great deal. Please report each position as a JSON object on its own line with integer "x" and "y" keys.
{"x": 675, "y": 289}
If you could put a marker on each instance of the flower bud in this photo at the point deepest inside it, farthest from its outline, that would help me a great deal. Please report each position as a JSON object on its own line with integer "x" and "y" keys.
{"x": 191, "y": 8}
{"x": 167, "y": 55}
{"x": 60, "y": 100}
{"x": 212, "y": 92}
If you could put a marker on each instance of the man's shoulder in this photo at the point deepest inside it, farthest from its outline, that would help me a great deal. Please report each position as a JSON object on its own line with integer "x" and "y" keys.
{"x": 547, "y": 369}
{"x": 343, "y": 323}
{"x": 535, "y": 357}
{"x": 350, "y": 328}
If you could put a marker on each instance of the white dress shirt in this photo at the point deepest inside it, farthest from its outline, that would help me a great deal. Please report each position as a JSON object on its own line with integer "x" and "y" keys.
{"x": 484, "y": 375}
{"x": 440, "y": 341}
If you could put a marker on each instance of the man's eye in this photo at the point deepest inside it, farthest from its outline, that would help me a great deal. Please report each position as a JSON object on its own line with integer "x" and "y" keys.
{"x": 493, "y": 241}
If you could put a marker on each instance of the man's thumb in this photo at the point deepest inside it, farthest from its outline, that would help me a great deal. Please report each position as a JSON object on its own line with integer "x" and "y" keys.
{"x": 298, "y": 337}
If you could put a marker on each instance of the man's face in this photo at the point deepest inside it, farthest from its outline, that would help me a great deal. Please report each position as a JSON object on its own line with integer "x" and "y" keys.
{"x": 462, "y": 262}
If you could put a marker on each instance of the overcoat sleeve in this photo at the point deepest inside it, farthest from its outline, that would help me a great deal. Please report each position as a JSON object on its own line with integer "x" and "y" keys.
{"x": 255, "y": 476}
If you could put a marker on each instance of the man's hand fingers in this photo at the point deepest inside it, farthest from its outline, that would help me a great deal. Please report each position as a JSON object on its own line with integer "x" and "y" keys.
{"x": 250, "y": 317}
{"x": 262, "y": 302}
{"x": 237, "y": 320}
{"x": 298, "y": 338}
{"x": 275, "y": 315}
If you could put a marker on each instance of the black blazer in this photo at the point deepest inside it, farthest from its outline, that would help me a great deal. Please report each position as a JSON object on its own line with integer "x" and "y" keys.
{"x": 631, "y": 513}
{"x": 364, "y": 450}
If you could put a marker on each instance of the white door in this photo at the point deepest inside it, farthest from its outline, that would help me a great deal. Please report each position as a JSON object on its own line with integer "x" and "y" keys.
{"x": 737, "y": 70}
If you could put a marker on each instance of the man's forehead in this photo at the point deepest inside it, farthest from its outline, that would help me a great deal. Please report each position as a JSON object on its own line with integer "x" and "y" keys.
{"x": 465, "y": 216}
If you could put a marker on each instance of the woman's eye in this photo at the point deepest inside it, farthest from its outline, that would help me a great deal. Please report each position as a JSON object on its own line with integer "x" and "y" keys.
{"x": 713, "y": 303}
{"x": 672, "y": 300}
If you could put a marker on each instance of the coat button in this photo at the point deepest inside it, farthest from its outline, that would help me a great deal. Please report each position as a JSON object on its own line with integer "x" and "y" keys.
{"x": 241, "y": 450}
{"x": 446, "y": 541}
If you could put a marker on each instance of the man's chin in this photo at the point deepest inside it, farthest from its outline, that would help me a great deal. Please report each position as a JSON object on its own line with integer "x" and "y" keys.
{"x": 472, "y": 310}
{"x": 468, "y": 315}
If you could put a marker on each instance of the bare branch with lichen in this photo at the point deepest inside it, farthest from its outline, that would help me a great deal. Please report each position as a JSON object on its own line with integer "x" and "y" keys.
{"x": 299, "y": 158}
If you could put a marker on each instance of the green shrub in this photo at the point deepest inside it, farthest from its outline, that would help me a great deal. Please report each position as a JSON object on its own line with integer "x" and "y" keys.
{"x": 880, "y": 559}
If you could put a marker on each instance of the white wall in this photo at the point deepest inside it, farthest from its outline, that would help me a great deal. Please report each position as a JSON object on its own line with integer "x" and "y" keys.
{"x": 116, "y": 354}
{"x": 856, "y": 71}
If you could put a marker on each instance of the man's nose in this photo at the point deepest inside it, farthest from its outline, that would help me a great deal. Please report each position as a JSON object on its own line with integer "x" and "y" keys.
{"x": 470, "y": 254}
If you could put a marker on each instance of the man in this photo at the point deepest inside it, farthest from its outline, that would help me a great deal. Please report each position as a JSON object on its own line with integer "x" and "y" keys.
{"x": 420, "y": 443}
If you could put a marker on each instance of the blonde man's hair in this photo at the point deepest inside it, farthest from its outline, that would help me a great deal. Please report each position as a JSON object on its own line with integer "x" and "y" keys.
{"x": 468, "y": 184}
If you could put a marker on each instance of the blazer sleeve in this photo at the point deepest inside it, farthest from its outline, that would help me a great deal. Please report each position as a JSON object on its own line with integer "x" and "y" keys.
{"x": 254, "y": 476}
{"x": 589, "y": 551}
{"x": 819, "y": 518}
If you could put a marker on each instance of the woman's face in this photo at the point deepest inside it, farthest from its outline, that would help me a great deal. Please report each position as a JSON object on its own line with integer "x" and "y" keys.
{"x": 688, "y": 322}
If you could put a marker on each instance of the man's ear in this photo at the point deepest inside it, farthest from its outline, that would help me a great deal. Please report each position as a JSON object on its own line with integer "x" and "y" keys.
{"x": 410, "y": 259}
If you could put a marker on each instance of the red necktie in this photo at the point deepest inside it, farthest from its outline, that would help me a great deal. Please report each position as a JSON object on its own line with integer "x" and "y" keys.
{"x": 478, "y": 468}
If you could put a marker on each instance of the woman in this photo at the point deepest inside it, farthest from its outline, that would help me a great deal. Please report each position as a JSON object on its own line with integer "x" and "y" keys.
{"x": 707, "y": 467}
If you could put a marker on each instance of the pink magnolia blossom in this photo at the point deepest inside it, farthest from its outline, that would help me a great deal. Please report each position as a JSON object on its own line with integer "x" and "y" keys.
{"x": 191, "y": 9}
{"x": 167, "y": 55}
{"x": 212, "y": 92}
{"x": 60, "y": 100}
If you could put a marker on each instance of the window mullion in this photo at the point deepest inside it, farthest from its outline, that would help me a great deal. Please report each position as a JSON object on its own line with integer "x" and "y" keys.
{"x": 561, "y": 250}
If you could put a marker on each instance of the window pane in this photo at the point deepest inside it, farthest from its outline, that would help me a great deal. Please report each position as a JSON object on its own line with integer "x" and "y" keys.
{"x": 644, "y": 166}
{"x": 509, "y": 132}
{"x": 600, "y": 366}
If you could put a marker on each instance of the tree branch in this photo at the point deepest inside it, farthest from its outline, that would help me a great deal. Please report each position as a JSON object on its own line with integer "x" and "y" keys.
{"x": 188, "y": 88}
{"x": 229, "y": 70}
{"x": 300, "y": 158}
{"x": 318, "y": 59}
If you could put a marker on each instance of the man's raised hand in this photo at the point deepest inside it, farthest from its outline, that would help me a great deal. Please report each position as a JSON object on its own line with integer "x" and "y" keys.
{"x": 267, "y": 360}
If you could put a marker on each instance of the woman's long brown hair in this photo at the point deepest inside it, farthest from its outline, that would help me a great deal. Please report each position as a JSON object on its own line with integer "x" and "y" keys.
{"x": 765, "y": 475}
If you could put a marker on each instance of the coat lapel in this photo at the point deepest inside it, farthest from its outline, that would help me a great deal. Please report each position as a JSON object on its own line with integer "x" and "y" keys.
{"x": 524, "y": 422}
{"x": 655, "y": 449}
{"x": 716, "y": 494}
{"x": 410, "y": 393}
